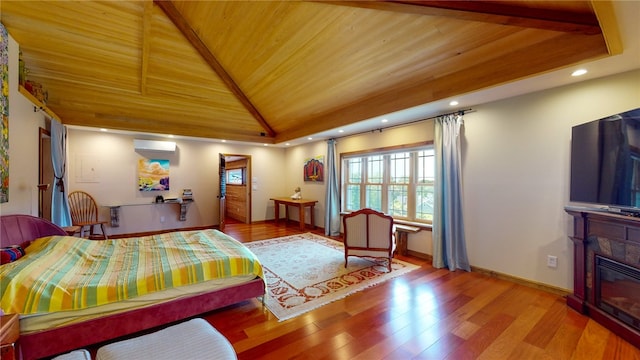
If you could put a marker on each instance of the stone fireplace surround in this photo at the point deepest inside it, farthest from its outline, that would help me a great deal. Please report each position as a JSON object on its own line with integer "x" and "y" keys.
{"x": 611, "y": 236}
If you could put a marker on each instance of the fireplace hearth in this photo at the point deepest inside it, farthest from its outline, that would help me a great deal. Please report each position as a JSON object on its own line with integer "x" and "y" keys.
{"x": 606, "y": 279}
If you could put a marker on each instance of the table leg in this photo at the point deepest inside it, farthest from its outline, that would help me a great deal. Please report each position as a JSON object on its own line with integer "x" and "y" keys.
{"x": 313, "y": 223}
{"x": 277, "y": 212}
{"x": 286, "y": 211}
{"x": 401, "y": 237}
{"x": 301, "y": 217}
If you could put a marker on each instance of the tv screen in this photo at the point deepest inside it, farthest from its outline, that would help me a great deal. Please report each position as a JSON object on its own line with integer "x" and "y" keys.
{"x": 605, "y": 161}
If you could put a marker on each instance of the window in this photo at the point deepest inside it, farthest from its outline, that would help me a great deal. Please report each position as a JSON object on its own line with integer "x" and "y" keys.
{"x": 398, "y": 183}
{"x": 235, "y": 177}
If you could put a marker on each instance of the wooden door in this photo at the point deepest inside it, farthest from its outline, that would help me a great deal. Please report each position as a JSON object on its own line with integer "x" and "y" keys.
{"x": 223, "y": 191}
{"x": 45, "y": 175}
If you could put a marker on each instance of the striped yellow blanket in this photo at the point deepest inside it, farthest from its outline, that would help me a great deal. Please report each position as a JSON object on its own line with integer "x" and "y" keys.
{"x": 69, "y": 273}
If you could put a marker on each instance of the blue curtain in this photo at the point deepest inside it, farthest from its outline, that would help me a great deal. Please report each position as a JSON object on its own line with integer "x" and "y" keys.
{"x": 332, "y": 197}
{"x": 449, "y": 244}
{"x": 60, "y": 214}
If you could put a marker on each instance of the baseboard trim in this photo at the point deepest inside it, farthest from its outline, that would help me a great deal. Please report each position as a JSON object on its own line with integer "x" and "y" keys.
{"x": 536, "y": 285}
{"x": 533, "y": 284}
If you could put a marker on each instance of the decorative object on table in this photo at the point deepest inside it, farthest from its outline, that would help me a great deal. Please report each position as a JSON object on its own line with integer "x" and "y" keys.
{"x": 153, "y": 175}
{"x": 314, "y": 169}
{"x": 187, "y": 195}
{"x": 297, "y": 195}
{"x": 4, "y": 112}
{"x": 159, "y": 199}
{"x": 296, "y": 285}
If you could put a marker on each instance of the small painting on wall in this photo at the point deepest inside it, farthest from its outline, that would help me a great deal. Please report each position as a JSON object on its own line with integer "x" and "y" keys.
{"x": 314, "y": 169}
{"x": 4, "y": 113}
{"x": 153, "y": 175}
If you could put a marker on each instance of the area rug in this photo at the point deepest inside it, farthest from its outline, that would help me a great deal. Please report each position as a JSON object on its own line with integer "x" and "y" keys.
{"x": 306, "y": 271}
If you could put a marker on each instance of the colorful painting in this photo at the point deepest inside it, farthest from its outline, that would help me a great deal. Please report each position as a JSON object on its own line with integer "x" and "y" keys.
{"x": 4, "y": 111}
{"x": 153, "y": 175}
{"x": 314, "y": 169}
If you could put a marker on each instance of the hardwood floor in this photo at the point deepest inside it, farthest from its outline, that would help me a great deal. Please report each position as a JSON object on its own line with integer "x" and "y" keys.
{"x": 426, "y": 314}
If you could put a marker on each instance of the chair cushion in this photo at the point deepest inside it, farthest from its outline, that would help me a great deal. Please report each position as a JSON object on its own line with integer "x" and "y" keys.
{"x": 193, "y": 339}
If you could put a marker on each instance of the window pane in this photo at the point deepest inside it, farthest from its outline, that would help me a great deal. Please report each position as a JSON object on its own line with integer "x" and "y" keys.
{"x": 426, "y": 167}
{"x": 424, "y": 202}
{"x": 354, "y": 170}
{"x": 399, "y": 168}
{"x": 375, "y": 169}
{"x": 374, "y": 197}
{"x": 398, "y": 200}
{"x": 353, "y": 197}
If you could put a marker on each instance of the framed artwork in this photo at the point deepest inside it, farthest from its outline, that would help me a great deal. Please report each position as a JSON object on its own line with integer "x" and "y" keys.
{"x": 314, "y": 169}
{"x": 153, "y": 175}
{"x": 4, "y": 112}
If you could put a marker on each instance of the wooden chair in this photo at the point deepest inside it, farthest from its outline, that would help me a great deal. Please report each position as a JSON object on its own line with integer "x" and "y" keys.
{"x": 84, "y": 213}
{"x": 368, "y": 233}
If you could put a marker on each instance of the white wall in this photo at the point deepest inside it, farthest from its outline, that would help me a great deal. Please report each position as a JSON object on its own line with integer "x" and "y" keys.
{"x": 294, "y": 177}
{"x": 23, "y": 145}
{"x": 516, "y": 175}
{"x": 194, "y": 165}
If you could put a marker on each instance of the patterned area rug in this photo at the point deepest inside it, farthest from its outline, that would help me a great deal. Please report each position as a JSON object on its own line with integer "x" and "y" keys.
{"x": 306, "y": 271}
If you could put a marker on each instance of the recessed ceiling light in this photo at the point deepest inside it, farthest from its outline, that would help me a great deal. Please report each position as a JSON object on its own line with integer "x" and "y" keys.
{"x": 384, "y": 120}
{"x": 287, "y": 144}
{"x": 579, "y": 72}
{"x": 223, "y": 140}
{"x": 309, "y": 138}
{"x": 103, "y": 129}
{"x": 171, "y": 136}
{"x": 453, "y": 103}
{"x": 340, "y": 131}
{"x": 265, "y": 144}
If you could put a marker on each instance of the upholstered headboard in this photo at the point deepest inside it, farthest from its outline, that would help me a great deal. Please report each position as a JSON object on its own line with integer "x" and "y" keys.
{"x": 21, "y": 229}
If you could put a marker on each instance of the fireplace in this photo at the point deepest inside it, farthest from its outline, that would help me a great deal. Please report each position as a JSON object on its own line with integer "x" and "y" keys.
{"x": 606, "y": 278}
{"x": 617, "y": 290}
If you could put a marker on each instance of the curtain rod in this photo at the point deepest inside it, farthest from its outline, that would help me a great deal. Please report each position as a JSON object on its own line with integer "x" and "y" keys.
{"x": 459, "y": 112}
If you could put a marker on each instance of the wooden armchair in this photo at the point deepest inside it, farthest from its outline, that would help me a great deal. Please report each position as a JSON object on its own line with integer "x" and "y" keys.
{"x": 84, "y": 213}
{"x": 368, "y": 233}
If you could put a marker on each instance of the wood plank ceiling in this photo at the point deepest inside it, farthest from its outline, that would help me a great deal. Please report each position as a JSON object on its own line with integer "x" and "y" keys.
{"x": 274, "y": 71}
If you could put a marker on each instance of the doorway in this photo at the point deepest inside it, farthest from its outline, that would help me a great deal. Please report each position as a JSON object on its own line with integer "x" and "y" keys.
{"x": 45, "y": 174}
{"x": 237, "y": 199}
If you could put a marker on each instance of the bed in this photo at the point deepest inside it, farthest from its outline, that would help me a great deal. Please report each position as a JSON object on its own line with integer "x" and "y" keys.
{"x": 52, "y": 327}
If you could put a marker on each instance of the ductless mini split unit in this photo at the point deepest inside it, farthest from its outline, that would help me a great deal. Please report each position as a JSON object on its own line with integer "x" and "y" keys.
{"x": 153, "y": 145}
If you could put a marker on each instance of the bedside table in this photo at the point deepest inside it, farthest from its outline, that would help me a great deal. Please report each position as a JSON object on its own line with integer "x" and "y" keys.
{"x": 9, "y": 334}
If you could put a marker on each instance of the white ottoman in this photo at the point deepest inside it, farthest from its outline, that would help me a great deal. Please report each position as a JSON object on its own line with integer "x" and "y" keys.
{"x": 193, "y": 339}
{"x": 74, "y": 355}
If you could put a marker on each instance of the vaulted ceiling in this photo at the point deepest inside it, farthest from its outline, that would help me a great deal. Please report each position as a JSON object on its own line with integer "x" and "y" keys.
{"x": 272, "y": 71}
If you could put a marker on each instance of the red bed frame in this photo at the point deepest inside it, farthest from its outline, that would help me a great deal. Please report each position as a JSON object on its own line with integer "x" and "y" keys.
{"x": 19, "y": 229}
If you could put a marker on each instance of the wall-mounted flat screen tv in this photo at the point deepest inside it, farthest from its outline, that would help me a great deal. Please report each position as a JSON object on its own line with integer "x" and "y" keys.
{"x": 605, "y": 162}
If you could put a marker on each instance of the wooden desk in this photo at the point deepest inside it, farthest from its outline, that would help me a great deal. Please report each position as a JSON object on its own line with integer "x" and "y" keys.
{"x": 9, "y": 334}
{"x": 402, "y": 231}
{"x": 301, "y": 204}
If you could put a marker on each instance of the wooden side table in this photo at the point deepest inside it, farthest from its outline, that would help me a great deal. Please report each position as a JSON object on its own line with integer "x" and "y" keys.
{"x": 301, "y": 204}
{"x": 9, "y": 335}
{"x": 402, "y": 232}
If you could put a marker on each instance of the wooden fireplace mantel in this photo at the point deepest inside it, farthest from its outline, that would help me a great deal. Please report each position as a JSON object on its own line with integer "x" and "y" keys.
{"x": 609, "y": 235}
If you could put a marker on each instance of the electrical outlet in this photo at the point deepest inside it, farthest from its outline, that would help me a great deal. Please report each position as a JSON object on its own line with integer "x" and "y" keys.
{"x": 161, "y": 219}
{"x": 552, "y": 261}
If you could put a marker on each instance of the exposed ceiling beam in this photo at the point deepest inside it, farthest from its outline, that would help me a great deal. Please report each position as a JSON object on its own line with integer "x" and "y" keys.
{"x": 504, "y": 13}
{"x": 181, "y": 23}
